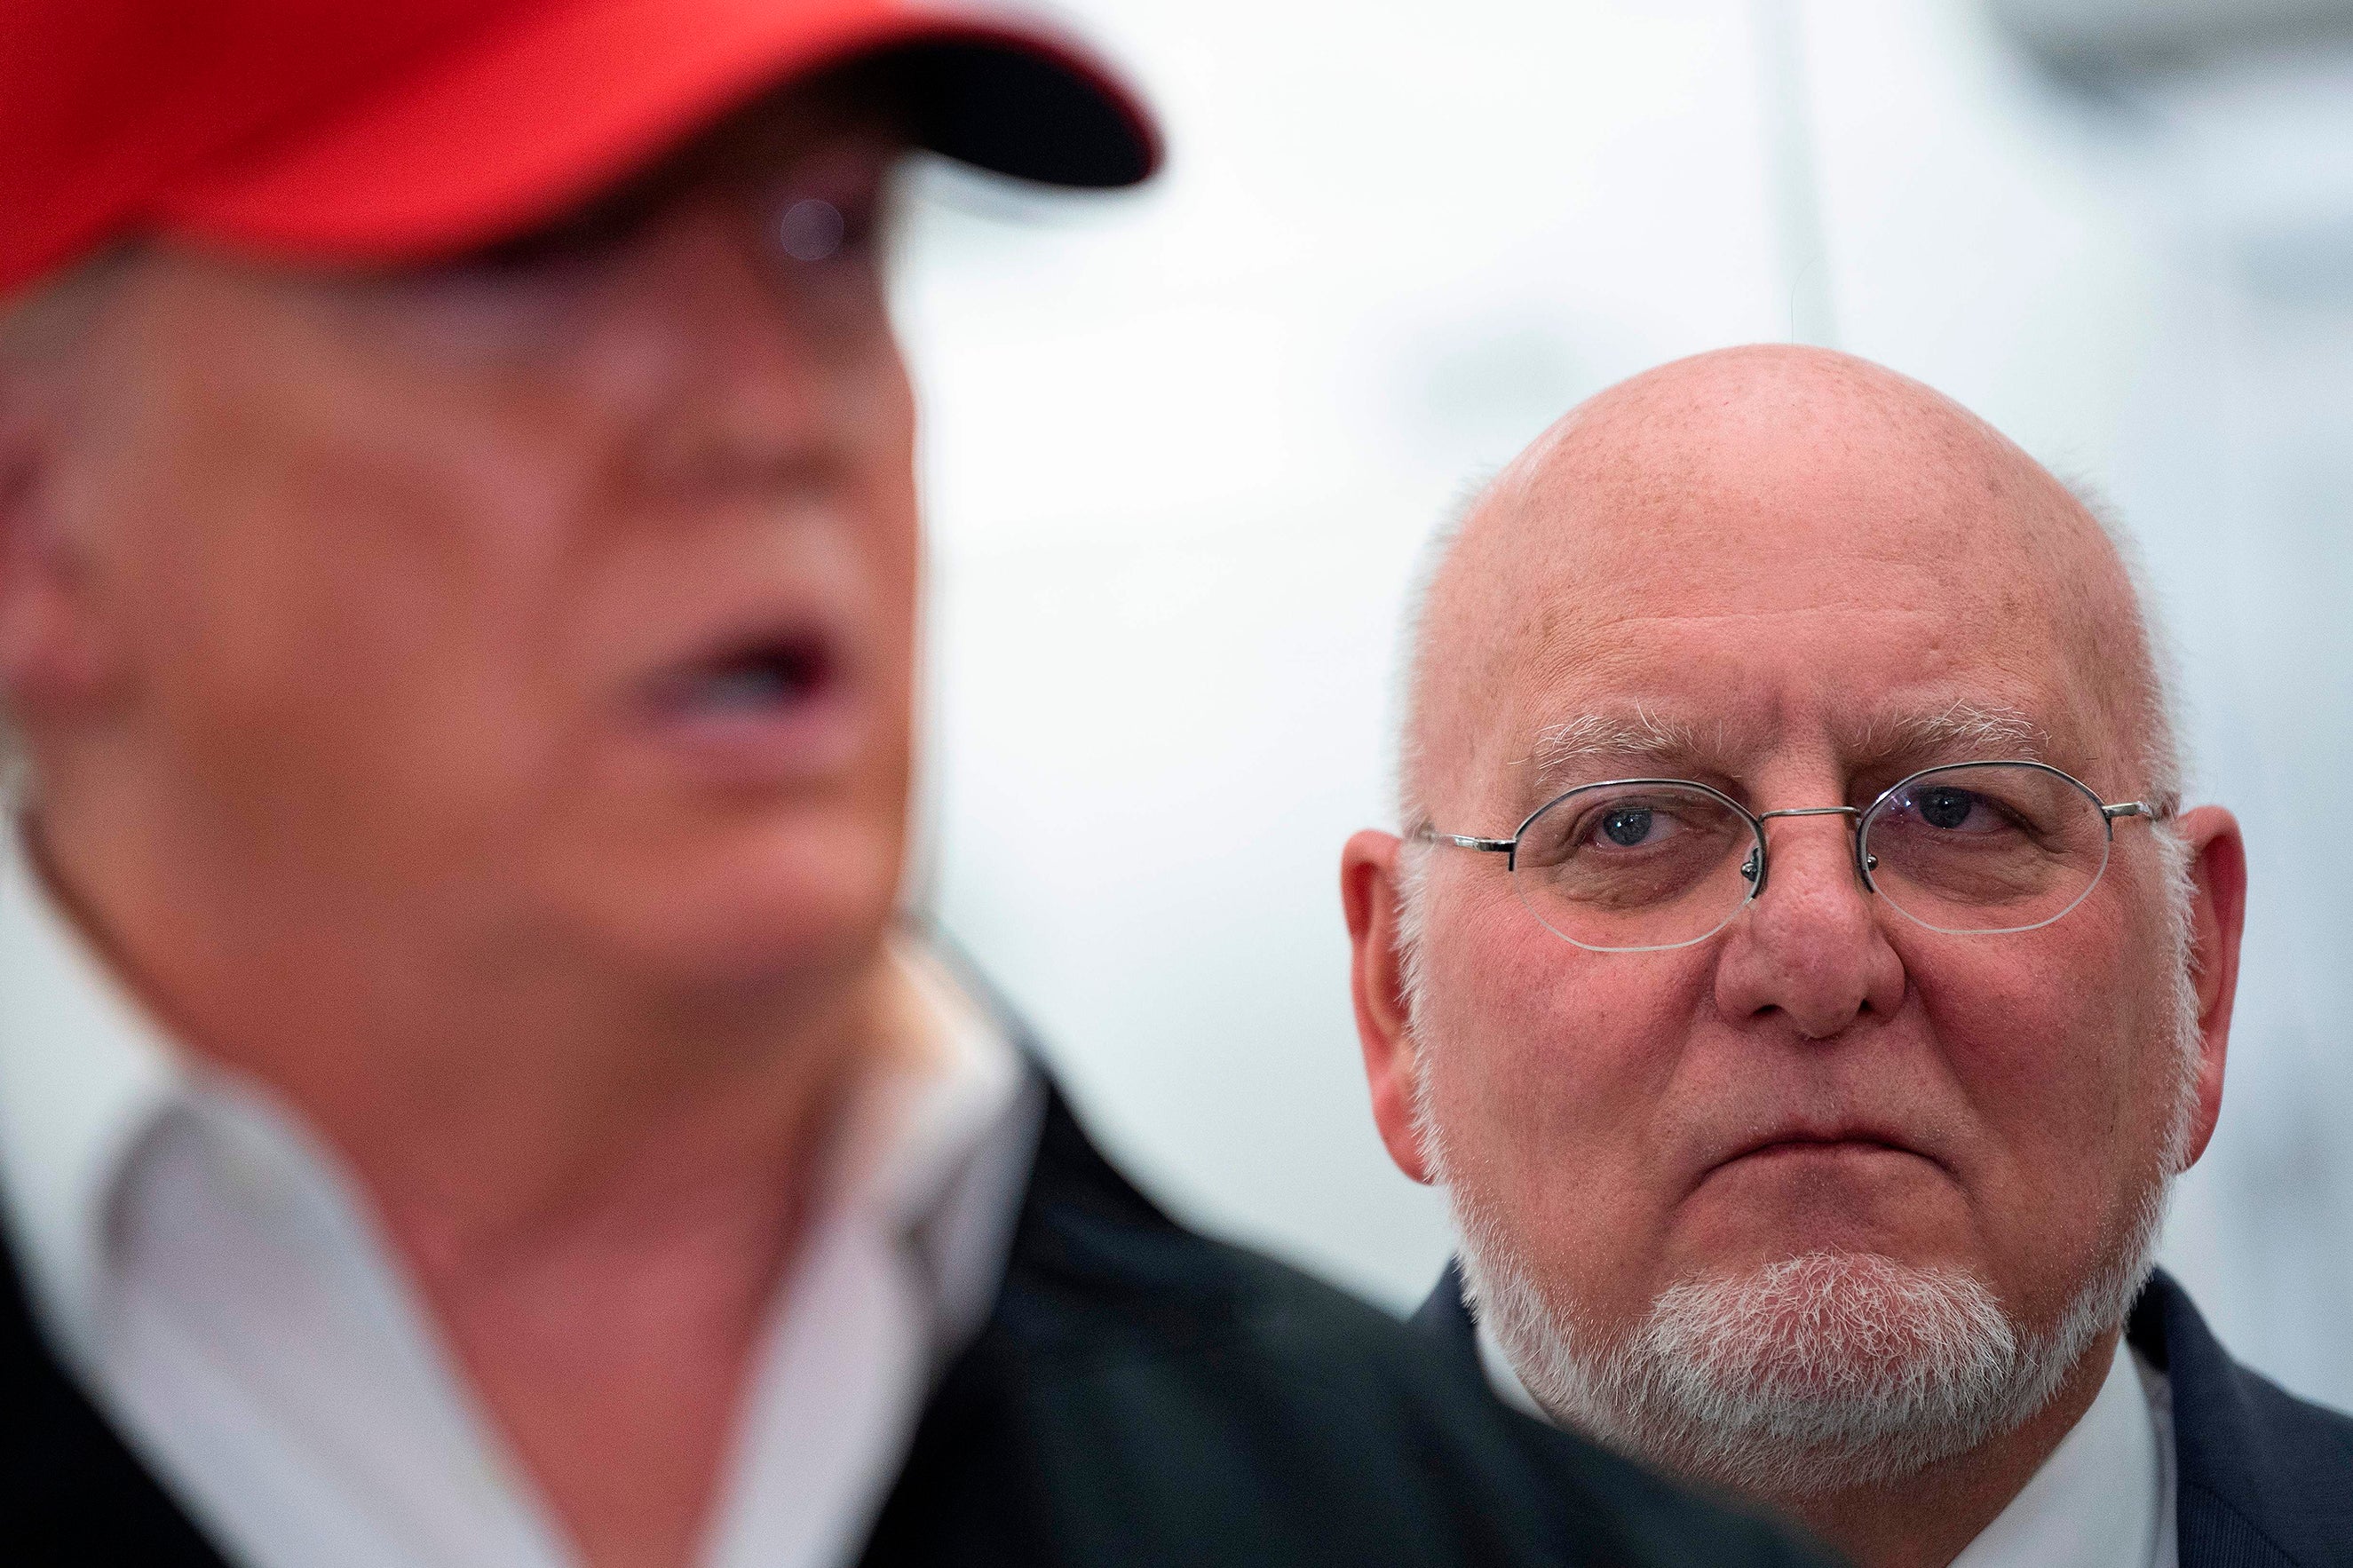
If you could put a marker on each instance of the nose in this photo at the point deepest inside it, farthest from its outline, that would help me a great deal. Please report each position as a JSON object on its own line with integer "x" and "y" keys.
{"x": 736, "y": 377}
{"x": 1810, "y": 948}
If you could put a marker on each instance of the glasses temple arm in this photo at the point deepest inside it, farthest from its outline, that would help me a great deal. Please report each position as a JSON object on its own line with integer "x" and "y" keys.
{"x": 1462, "y": 841}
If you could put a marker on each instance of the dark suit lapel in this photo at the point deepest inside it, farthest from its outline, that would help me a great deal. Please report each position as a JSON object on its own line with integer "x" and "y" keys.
{"x": 2265, "y": 1479}
{"x": 970, "y": 1491}
{"x": 1445, "y": 1315}
{"x": 70, "y": 1492}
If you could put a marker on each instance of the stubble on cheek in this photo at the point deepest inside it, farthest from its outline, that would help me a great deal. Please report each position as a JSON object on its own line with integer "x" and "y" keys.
{"x": 1547, "y": 1077}
{"x": 2062, "y": 1081}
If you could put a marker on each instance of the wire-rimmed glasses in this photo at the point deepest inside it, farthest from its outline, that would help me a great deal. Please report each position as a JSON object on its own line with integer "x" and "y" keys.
{"x": 1644, "y": 865}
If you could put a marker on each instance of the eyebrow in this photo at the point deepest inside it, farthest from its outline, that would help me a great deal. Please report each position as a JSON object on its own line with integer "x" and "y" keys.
{"x": 1640, "y": 737}
{"x": 1636, "y": 733}
{"x": 1985, "y": 733}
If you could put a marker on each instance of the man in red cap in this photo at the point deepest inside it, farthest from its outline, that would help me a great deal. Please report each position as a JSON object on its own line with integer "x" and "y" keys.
{"x": 465, "y": 1095}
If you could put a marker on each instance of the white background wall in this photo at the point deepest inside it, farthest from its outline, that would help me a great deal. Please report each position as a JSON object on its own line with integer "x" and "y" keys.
{"x": 1183, "y": 446}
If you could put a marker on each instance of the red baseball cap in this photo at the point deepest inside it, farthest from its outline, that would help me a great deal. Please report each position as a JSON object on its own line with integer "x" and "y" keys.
{"x": 384, "y": 131}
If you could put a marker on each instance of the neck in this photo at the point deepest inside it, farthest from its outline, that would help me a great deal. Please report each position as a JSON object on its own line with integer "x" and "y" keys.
{"x": 596, "y": 1187}
{"x": 479, "y": 1095}
{"x": 1927, "y": 1519}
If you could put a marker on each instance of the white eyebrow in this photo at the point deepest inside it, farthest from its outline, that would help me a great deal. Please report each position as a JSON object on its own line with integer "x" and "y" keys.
{"x": 1987, "y": 733}
{"x": 1634, "y": 733}
{"x": 1961, "y": 730}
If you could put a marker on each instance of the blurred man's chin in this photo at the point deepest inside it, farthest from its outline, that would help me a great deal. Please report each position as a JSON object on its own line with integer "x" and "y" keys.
{"x": 768, "y": 905}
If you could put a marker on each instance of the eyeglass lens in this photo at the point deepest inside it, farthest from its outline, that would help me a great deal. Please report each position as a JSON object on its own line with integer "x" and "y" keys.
{"x": 1625, "y": 866}
{"x": 1986, "y": 847}
{"x": 1979, "y": 847}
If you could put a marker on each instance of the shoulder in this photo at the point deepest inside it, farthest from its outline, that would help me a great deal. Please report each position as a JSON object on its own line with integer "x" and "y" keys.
{"x": 2265, "y": 1476}
{"x": 1169, "y": 1397}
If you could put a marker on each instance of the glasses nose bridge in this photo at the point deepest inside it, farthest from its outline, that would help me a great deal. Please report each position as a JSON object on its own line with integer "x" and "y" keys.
{"x": 1763, "y": 858}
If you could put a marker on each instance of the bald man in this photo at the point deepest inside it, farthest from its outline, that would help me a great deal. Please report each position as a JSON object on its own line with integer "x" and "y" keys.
{"x": 1799, "y": 969}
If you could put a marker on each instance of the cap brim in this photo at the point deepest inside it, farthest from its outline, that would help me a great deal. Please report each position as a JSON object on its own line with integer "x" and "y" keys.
{"x": 515, "y": 127}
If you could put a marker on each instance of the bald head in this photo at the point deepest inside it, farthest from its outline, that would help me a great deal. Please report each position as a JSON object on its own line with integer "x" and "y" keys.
{"x": 1767, "y": 485}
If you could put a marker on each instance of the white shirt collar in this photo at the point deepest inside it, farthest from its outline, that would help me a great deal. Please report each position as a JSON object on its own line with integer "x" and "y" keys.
{"x": 84, "y": 1073}
{"x": 943, "y": 1176}
{"x": 2105, "y": 1497}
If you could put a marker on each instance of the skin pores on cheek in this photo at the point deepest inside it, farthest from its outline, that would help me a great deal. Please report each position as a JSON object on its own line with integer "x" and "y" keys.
{"x": 1550, "y": 1068}
{"x": 2059, "y": 1043}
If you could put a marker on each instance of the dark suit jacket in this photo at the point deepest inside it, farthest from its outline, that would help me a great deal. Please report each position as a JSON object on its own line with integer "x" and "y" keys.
{"x": 2264, "y": 1480}
{"x": 1139, "y": 1396}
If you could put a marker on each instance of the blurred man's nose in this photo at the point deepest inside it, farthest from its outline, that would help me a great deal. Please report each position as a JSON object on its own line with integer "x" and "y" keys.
{"x": 744, "y": 369}
{"x": 1810, "y": 948}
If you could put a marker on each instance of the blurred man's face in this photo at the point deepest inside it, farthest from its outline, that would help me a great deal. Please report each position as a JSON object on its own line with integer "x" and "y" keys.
{"x": 564, "y": 595}
{"x": 1825, "y": 1109}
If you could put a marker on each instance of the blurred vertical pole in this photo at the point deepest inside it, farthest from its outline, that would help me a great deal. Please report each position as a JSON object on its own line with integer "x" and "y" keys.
{"x": 1795, "y": 195}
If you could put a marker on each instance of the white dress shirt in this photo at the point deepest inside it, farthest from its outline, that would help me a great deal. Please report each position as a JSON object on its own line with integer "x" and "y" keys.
{"x": 2105, "y": 1498}
{"x": 216, "y": 1284}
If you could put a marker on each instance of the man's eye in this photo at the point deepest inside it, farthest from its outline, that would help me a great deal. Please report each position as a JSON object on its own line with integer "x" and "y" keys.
{"x": 1628, "y": 827}
{"x": 1945, "y": 808}
{"x": 833, "y": 221}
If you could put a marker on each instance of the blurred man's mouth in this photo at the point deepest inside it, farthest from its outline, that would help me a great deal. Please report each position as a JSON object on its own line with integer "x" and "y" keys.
{"x": 767, "y": 706}
{"x": 763, "y": 677}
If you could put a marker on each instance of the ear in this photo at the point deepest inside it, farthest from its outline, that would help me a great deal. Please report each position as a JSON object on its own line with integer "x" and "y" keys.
{"x": 48, "y": 646}
{"x": 2218, "y": 915}
{"x": 1368, "y": 894}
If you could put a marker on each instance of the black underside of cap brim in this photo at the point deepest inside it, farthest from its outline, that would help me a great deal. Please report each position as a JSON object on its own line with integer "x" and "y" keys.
{"x": 1008, "y": 110}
